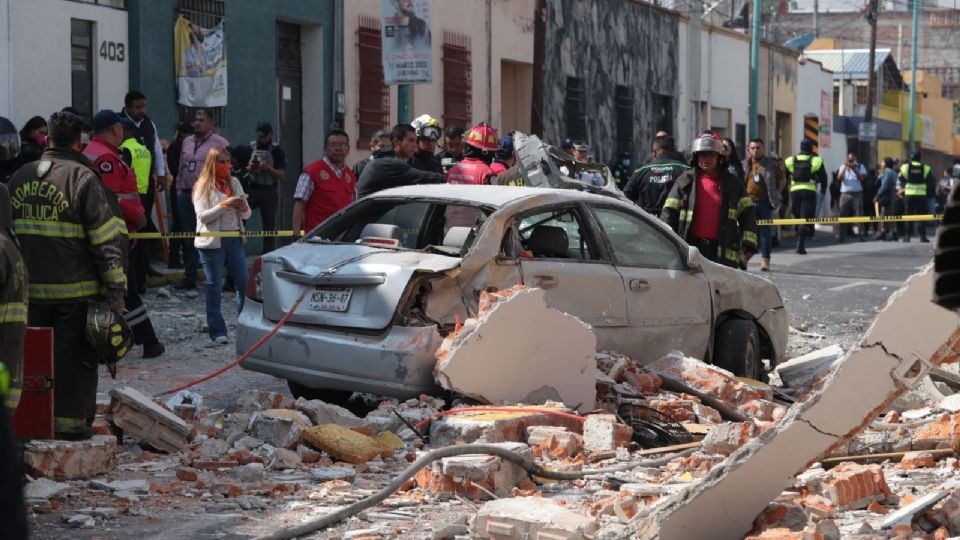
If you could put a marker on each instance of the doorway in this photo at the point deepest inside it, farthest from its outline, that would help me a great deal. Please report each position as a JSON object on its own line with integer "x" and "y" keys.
{"x": 289, "y": 114}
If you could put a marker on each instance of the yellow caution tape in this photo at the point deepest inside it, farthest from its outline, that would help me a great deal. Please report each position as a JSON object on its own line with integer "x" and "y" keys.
{"x": 835, "y": 220}
{"x": 212, "y": 234}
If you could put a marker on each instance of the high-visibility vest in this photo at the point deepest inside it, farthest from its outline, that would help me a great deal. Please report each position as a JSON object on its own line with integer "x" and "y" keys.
{"x": 915, "y": 175}
{"x": 140, "y": 163}
{"x": 802, "y": 167}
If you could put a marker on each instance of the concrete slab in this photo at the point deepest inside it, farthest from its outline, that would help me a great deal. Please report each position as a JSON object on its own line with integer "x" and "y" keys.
{"x": 279, "y": 427}
{"x": 139, "y": 416}
{"x": 69, "y": 460}
{"x": 43, "y": 489}
{"x": 531, "y": 517}
{"x": 802, "y": 371}
{"x": 487, "y": 424}
{"x": 520, "y": 351}
{"x": 908, "y": 336}
{"x": 465, "y": 474}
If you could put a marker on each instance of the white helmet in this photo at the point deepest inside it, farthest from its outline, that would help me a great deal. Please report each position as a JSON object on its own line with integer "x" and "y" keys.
{"x": 707, "y": 143}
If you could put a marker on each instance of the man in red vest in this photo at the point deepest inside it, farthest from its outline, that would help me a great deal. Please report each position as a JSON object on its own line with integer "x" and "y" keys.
{"x": 326, "y": 185}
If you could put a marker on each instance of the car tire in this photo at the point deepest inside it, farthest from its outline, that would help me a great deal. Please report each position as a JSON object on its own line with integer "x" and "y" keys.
{"x": 336, "y": 397}
{"x": 738, "y": 348}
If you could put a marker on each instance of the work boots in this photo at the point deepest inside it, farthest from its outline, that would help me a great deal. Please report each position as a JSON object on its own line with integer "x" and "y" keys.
{"x": 801, "y": 246}
{"x": 765, "y": 264}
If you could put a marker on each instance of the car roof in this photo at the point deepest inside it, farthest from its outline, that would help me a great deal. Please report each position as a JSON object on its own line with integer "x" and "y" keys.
{"x": 497, "y": 196}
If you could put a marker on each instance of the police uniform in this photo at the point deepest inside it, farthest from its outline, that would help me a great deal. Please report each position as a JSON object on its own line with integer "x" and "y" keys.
{"x": 263, "y": 189}
{"x": 916, "y": 176}
{"x": 74, "y": 244}
{"x": 650, "y": 184}
{"x": 806, "y": 171}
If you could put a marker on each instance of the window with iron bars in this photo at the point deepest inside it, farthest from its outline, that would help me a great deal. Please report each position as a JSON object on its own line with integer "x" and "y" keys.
{"x": 457, "y": 80}
{"x": 574, "y": 110}
{"x": 624, "y": 104}
{"x": 205, "y": 14}
{"x": 373, "y": 106}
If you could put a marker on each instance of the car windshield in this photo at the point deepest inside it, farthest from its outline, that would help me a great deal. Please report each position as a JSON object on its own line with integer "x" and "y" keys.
{"x": 444, "y": 226}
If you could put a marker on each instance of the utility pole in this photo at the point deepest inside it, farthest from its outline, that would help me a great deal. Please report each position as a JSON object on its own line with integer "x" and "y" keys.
{"x": 755, "y": 70}
{"x": 816, "y": 19}
{"x": 911, "y": 145}
{"x": 866, "y": 150}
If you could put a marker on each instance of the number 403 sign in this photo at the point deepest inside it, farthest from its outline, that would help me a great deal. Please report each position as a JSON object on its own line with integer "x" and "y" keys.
{"x": 113, "y": 51}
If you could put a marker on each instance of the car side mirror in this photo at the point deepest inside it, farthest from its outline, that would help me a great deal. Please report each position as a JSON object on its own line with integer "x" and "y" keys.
{"x": 693, "y": 258}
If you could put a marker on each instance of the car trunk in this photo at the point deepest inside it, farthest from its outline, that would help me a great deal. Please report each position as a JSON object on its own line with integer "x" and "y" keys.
{"x": 347, "y": 285}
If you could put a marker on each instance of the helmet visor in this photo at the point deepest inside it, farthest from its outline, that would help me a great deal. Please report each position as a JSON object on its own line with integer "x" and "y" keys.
{"x": 429, "y": 132}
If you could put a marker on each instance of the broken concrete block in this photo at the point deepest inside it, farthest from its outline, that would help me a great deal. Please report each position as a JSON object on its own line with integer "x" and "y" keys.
{"x": 279, "y": 427}
{"x": 939, "y": 433}
{"x": 213, "y": 448}
{"x": 602, "y": 433}
{"x": 342, "y": 443}
{"x": 141, "y": 487}
{"x": 43, "y": 489}
{"x": 249, "y": 473}
{"x": 725, "y": 438}
{"x": 284, "y": 459}
{"x": 139, "y": 416}
{"x": 492, "y": 360}
{"x": 781, "y": 515}
{"x": 698, "y": 375}
{"x": 479, "y": 425}
{"x": 558, "y": 442}
{"x": 917, "y": 460}
{"x": 852, "y": 486}
{"x": 475, "y": 474}
{"x": 908, "y": 336}
{"x": 647, "y": 382}
{"x": 320, "y": 412}
{"x": 803, "y": 371}
{"x": 531, "y": 517}
{"x": 252, "y": 401}
{"x": 69, "y": 460}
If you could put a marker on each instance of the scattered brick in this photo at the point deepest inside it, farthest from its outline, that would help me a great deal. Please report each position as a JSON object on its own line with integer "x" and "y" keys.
{"x": 851, "y": 486}
{"x": 602, "y": 432}
{"x": 725, "y": 438}
{"x": 186, "y": 475}
{"x": 917, "y": 460}
{"x": 476, "y": 475}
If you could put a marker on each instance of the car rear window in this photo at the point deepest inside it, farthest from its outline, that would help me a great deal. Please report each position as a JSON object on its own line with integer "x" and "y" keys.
{"x": 414, "y": 224}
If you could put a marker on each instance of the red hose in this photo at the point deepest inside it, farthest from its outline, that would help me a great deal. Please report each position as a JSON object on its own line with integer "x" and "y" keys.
{"x": 554, "y": 412}
{"x": 246, "y": 354}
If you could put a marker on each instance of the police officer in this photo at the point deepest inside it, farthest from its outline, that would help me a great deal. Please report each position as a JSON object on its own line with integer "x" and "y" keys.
{"x": 805, "y": 171}
{"x": 709, "y": 207}
{"x": 75, "y": 248}
{"x": 915, "y": 176}
{"x": 649, "y": 185}
{"x": 268, "y": 166}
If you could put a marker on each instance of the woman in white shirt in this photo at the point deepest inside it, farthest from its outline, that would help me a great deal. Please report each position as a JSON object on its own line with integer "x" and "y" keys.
{"x": 221, "y": 205}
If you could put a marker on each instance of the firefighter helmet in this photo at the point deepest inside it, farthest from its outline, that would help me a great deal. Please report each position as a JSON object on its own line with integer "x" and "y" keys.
{"x": 9, "y": 140}
{"x": 108, "y": 332}
{"x": 483, "y": 138}
{"x": 707, "y": 143}
{"x": 427, "y": 127}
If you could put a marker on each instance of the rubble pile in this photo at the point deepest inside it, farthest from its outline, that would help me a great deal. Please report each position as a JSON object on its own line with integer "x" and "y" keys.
{"x": 650, "y": 439}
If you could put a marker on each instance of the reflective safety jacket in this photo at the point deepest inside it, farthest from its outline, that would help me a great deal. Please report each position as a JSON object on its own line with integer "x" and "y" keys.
{"x": 71, "y": 234}
{"x": 738, "y": 222}
{"x": 915, "y": 177}
{"x": 805, "y": 172}
{"x": 140, "y": 163}
{"x": 470, "y": 171}
{"x": 13, "y": 314}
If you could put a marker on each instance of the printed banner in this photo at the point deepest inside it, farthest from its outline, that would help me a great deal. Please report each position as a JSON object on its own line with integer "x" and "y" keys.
{"x": 201, "y": 64}
{"x": 826, "y": 118}
{"x": 407, "y": 57}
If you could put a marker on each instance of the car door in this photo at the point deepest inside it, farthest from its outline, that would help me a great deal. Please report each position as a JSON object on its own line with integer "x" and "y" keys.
{"x": 668, "y": 306}
{"x": 575, "y": 278}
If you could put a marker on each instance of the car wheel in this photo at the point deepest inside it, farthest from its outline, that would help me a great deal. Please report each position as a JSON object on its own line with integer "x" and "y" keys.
{"x": 738, "y": 348}
{"x": 336, "y": 397}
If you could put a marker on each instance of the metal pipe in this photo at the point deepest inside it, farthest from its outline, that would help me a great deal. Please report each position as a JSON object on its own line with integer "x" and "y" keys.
{"x": 911, "y": 144}
{"x": 755, "y": 70}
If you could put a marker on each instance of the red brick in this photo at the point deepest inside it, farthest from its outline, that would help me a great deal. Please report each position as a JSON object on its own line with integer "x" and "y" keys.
{"x": 468, "y": 473}
{"x": 877, "y": 508}
{"x": 678, "y": 410}
{"x": 781, "y": 533}
{"x": 853, "y": 487}
{"x": 939, "y": 433}
{"x": 646, "y": 382}
{"x": 698, "y": 375}
{"x": 725, "y": 438}
{"x": 917, "y": 460}
{"x": 69, "y": 460}
{"x": 101, "y": 426}
{"x": 892, "y": 417}
{"x": 187, "y": 475}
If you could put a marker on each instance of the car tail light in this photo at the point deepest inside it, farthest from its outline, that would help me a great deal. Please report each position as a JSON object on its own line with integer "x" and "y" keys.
{"x": 255, "y": 281}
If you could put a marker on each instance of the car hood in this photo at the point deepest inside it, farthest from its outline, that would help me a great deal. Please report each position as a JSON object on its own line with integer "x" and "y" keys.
{"x": 374, "y": 278}
{"x": 738, "y": 290}
{"x": 543, "y": 165}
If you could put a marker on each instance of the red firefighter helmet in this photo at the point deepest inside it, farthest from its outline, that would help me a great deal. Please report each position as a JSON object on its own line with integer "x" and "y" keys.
{"x": 483, "y": 138}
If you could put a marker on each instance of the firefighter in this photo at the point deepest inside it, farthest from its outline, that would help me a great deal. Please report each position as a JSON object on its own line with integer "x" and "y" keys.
{"x": 915, "y": 176}
{"x": 709, "y": 207}
{"x": 104, "y": 151}
{"x": 75, "y": 248}
{"x": 480, "y": 145}
{"x": 805, "y": 171}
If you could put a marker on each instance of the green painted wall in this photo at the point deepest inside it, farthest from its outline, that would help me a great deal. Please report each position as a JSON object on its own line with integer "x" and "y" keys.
{"x": 250, "y": 34}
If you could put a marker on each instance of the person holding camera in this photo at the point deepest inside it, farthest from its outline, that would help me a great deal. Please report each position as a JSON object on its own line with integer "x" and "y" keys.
{"x": 268, "y": 164}
{"x": 850, "y": 178}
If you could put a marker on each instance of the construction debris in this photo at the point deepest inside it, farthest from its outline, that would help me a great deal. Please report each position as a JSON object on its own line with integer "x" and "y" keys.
{"x": 140, "y": 417}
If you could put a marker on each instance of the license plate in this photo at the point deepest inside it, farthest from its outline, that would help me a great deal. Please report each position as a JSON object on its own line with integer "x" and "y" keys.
{"x": 330, "y": 298}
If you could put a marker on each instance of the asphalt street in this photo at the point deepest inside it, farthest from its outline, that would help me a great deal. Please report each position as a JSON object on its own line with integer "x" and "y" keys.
{"x": 836, "y": 288}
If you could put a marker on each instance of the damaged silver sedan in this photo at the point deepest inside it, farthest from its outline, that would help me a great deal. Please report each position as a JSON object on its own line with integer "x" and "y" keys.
{"x": 383, "y": 281}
